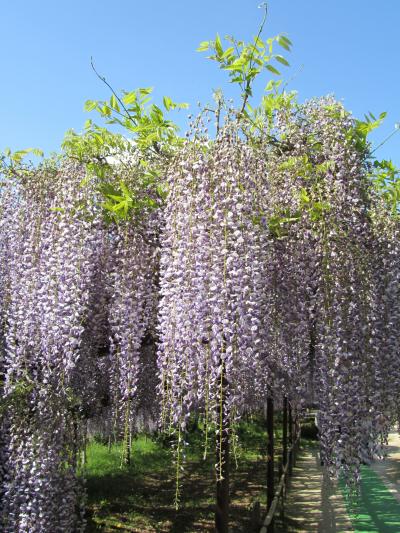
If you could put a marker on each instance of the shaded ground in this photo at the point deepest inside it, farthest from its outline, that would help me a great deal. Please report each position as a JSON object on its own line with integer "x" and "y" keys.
{"x": 140, "y": 498}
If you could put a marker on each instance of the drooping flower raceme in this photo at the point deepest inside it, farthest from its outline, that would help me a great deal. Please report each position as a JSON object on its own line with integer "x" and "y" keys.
{"x": 54, "y": 253}
{"x": 212, "y": 275}
{"x": 327, "y": 214}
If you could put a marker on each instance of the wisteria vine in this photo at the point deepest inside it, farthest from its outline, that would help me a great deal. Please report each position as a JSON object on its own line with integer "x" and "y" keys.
{"x": 270, "y": 269}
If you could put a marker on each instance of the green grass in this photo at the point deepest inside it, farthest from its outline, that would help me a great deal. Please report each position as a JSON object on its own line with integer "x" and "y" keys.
{"x": 140, "y": 497}
{"x": 119, "y": 497}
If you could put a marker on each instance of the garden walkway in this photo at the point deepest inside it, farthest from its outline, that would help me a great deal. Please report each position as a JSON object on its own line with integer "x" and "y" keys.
{"x": 314, "y": 504}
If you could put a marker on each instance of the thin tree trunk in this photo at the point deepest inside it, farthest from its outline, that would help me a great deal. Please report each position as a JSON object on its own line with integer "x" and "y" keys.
{"x": 284, "y": 445}
{"x": 222, "y": 449}
{"x": 127, "y": 455}
{"x": 85, "y": 441}
{"x": 127, "y": 439}
{"x": 285, "y": 432}
{"x": 270, "y": 464}
{"x": 291, "y": 456}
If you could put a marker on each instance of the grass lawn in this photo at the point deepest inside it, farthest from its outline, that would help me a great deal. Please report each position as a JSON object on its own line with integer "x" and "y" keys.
{"x": 140, "y": 497}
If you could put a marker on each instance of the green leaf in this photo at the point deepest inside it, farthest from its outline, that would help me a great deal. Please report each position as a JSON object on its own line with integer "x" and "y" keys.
{"x": 108, "y": 206}
{"x": 130, "y": 98}
{"x": 114, "y": 103}
{"x": 364, "y": 128}
{"x": 144, "y": 101}
{"x": 162, "y": 190}
{"x": 90, "y": 105}
{"x": 228, "y": 53}
{"x": 273, "y": 84}
{"x": 203, "y": 46}
{"x": 107, "y": 189}
{"x": 20, "y": 154}
{"x": 259, "y": 42}
{"x": 168, "y": 103}
{"x": 304, "y": 196}
{"x": 145, "y": 90}
{"x": 117, "y": 197}
{"x": 236, "y": 66}
{"x": 284, "y": 42}
{"x": 218, "y": 46}
{"x": 281, "y": 60}
{"x": 273, "y": 70}
{"x": 106, "y": 111}
{"x": 125, "y": 190}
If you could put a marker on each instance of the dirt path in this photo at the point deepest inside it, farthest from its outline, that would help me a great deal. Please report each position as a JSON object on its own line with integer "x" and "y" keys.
{"x": 314, "y": 504}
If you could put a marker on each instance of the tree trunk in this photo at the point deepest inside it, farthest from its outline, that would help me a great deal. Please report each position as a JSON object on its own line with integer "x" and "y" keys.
{"x": 270, "y": 464}
{"x": 284, "y": 432}
{"x": 222, "y": 450}
{"x": 291, "y": 456}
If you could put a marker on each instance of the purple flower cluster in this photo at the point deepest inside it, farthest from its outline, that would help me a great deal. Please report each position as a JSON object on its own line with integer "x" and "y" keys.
{"x": 50, "y": 269}
{"x": 212, "y": 285}
{"x": 271, "y": 270}
{"x": 78, "y": 297}
{"x": 339, "y": 264}
{"x": 275, "y": 279}
{"x": 131, "y": 317}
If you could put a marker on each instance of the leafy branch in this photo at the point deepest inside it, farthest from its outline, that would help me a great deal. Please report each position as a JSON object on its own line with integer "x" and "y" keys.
{"x": 147, "y": 124}
{"x": 245, "y": 61}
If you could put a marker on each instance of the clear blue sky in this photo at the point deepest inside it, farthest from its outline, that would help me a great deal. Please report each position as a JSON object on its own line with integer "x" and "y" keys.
{"x": 349, "y": 48}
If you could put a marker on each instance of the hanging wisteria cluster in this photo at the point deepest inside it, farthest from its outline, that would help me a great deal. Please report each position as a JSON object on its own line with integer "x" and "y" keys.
{"x": 50, "y": 266}
{"x": 271, "y": 283}
{"x": 212, "y": 274}
{"x": 327, "y": 204}
{"x": 133, "y": 302}
{"x": 66, "y": 289}
{"x": 271, "y": 269}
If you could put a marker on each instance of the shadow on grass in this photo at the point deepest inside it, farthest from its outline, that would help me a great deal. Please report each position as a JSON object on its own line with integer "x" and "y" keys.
{"x": 137, "y": 500}
{"x": 140, "y": 497}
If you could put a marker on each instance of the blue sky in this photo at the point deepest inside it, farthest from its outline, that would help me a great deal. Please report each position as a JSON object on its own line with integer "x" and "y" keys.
{"x": 346, "y": 47}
